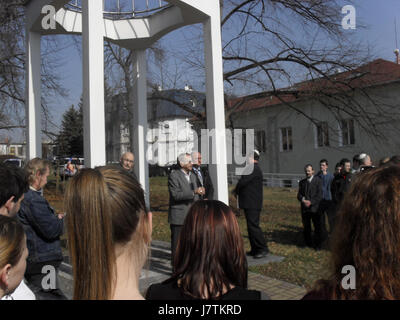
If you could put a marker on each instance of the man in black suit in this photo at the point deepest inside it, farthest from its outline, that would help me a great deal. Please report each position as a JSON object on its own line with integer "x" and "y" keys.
{"x": 183, "y": 191}
{"x": 203, "y": 176}
{"x": 341, "y": 183}
{"x": 310, "y": 196}
{"x": 249, "y": 190}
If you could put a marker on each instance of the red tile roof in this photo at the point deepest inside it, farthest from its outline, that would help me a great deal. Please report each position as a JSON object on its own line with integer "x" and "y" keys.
{"x": 377, "y": 72}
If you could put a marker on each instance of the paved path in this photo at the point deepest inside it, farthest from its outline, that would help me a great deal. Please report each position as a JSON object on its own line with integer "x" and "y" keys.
{"x": 159, "y": 269}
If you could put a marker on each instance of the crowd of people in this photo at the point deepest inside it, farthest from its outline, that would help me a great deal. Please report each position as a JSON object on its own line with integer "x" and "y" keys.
{"x": 321, "y": 194}
{"x": 109, "y": 231}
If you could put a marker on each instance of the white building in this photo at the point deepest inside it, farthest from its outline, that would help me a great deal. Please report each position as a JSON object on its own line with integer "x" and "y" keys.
{"x": 307, "y": 131}
{"x": 14, "y": 149}
{"x": 169, "y": 131}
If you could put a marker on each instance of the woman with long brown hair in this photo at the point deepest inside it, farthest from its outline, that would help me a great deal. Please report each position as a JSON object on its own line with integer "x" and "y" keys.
{"x": 109, "y": 231}
{"x": 366, "y": 240}
{"x": 210, "y": 262}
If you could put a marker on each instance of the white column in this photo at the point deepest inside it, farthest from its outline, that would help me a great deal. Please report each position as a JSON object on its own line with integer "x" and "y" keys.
{"x": 93, "y": 83}
{"x": 33, "y": 96}
{"x": 139, "y": 112}
{"x": 215, "y": 104}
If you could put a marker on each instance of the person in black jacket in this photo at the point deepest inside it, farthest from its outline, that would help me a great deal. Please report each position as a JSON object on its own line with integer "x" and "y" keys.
{"x": 310, "y": 196}
{"x": 249, "y": 190}
{"x": 203, "y": 176}
{"x": 341, "y": 183}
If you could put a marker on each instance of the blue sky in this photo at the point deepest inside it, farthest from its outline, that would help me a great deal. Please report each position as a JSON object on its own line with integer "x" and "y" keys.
{"x": 377, "y": 15}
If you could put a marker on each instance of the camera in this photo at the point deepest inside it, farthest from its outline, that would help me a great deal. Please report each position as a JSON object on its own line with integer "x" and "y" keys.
{"x": 366, "y": 168}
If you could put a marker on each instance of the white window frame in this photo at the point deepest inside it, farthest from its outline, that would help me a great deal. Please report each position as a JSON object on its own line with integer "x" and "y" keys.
{"x": 261, "y": 145}
{"x": 316, "y": 145}
{"x": 341, "y": 131}
{"x": 287, "y": 139}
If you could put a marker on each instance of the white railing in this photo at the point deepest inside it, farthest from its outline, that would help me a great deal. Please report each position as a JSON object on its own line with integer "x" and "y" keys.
{"x": 279, "y": 180}
{"x": 124, "y": 9}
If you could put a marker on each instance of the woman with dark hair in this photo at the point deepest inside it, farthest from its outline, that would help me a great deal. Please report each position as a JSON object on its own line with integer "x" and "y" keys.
{"x": 109, "y": 232}
{"x": 13, "y": 254}
{"x": 367, "y": 239}
{"x": 210, "y": 262}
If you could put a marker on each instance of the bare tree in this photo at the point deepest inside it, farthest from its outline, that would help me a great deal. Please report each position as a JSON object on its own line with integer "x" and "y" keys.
{"x": 12, "y": 69}
{"x": 286, "y": 49}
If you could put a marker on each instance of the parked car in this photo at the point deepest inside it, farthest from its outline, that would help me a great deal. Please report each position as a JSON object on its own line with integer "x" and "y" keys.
{"x": 12, "y": 160}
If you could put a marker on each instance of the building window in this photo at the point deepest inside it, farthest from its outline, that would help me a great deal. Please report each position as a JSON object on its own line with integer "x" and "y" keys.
{"x": 346, "y": 130}
{"x": 286, "y": 139}
{"x": 321, "y": 135}
{"x": 260, "y": 141}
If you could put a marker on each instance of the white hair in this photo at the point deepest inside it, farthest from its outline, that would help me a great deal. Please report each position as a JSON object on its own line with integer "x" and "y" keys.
{"x": 362, "y": 157}
{"x": 183, "y": 158}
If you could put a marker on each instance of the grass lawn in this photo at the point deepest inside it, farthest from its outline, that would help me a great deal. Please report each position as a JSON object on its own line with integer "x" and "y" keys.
{"x": 280, "y": 221}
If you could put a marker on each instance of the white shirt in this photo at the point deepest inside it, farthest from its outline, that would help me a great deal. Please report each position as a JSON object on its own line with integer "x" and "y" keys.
{"x": 187, "y": 175}
{"x": 309, "y": 180}
{"x": 21, "y": 293}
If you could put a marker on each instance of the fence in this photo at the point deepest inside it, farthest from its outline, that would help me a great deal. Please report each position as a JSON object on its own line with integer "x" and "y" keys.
{"x": 281, "y": 180}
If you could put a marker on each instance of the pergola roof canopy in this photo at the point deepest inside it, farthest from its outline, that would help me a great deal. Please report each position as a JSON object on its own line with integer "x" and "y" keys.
{"x": 135, "y": 32}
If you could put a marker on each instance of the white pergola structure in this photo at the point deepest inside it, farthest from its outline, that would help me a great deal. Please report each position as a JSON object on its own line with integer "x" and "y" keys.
{"x": 137, "y": 32}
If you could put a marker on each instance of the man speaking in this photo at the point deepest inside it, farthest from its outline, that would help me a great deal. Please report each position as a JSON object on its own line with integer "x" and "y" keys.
{"x": 249, "y": 190}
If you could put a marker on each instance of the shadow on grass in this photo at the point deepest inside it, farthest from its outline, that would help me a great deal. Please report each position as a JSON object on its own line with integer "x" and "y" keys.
{"x": 286, "y": 235}
{"x": 292, "y": 235}
{"x": 160, "y": 208}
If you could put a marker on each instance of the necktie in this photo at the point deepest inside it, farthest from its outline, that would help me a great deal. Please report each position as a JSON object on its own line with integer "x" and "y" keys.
{"x": 198, "y": 172}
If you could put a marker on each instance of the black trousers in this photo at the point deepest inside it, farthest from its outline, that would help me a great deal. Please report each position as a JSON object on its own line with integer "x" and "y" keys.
{"x": 315, "y": 217}
{"x": 327, "y": 209}
{"x": 256, "y": 236}
{"x": 175, "y": 231}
